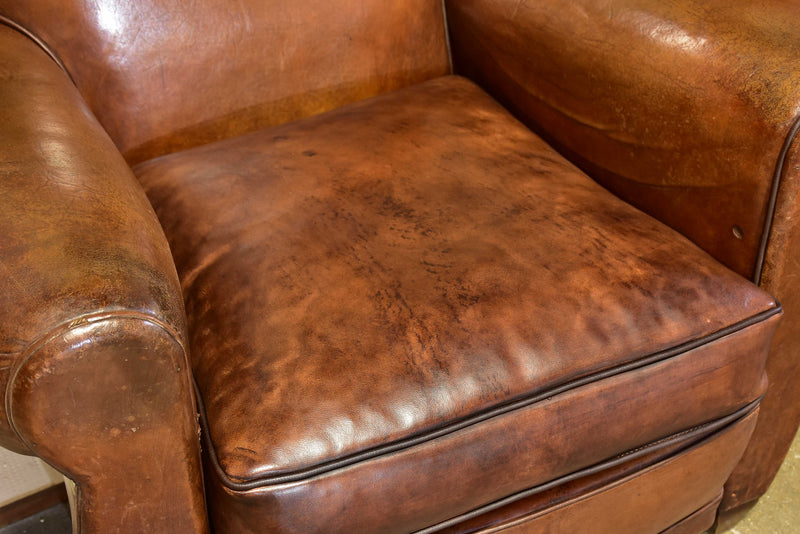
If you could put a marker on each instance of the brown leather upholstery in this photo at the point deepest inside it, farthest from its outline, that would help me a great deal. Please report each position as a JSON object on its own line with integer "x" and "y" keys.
{"x": 683, "y": 109}
{"x": 392, "y": 290}
{"x": 408, "y": 313}
{"x": 542, "y": 499}
{"x": 645, "y": 502}
{"x": 780, "y": 414}
{"x": 91, "y": 317}
{"x": 245, "y": 65}
{"x": 704, "y": 116}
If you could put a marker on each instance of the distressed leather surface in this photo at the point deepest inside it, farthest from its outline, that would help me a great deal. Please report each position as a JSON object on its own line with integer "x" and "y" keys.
{"x": 576, "y": 486}
{"x": 780, "y": 414}
{"x": 162, "y": 75}
{"x": 680, "y": 108}
{"x": 120, "y": 52}
{"x": 92, "y": 328}
{"x": 79, "y": 236}
{"x": 399, "y": 273}
{"x": 647, "y": 502}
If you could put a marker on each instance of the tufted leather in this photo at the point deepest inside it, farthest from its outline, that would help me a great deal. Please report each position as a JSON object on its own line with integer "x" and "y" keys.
{"x": 387, "y": 286}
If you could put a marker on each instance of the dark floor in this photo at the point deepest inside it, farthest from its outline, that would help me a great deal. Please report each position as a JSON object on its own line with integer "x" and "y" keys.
{"x": 54, "y": 520}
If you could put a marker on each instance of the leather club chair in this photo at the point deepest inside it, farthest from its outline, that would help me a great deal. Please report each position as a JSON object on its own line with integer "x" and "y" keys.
{"x": 375, "y": 266}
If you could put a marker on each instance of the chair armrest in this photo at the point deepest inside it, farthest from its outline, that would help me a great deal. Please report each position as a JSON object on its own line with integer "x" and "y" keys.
{"x": 681, "y": 108}
{"x": 687, "y": 109}
{"x": 92, "y": 324}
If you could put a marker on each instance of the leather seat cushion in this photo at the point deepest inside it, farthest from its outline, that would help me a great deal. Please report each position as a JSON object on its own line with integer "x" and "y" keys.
{"x": 411, "y": 306}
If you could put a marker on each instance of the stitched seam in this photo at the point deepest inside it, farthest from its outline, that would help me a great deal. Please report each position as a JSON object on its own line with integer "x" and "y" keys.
{"x": 769, "y": 217}
{"x": 696, "y": 428}
{"x": 319, "y": 469}
{"x": 710, "y": 428}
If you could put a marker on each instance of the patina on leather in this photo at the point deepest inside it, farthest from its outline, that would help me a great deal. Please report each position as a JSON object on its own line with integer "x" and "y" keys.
{"x": 416, "y": 305}
{"x": 162, "y": 75}
{"x": 639, "y": 464}
{"x": 92, "y": 325}
{"x": 682, "y": 109}
{"x": 653, "y": 491}
{"x": 780, "y": 413}
{"x": 484, "y": 354}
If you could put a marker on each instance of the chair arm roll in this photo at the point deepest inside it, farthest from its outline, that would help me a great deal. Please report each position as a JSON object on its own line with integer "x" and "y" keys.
{"x": 92, "y": 323}
{"x": 681, "y": 108}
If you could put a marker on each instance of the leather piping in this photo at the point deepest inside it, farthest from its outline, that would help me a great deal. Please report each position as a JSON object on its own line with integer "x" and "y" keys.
{"x": 319, "y": 469}
{"x": 447, "y": 37}
{"x": 39, "y": 42}
{"x": 773, "y": 200}
{"x": 692, "y": 436}
{"x": 64, "y": 327}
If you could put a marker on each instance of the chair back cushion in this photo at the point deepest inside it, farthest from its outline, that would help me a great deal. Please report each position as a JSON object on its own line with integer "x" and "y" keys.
{"x": 162, "y": 75}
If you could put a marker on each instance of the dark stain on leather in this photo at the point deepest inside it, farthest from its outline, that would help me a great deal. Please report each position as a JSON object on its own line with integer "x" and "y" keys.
{"x": 399, "y": 270}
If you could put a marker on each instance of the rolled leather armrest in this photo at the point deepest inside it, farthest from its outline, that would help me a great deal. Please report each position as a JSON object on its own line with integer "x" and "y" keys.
{"x": 681, "y": 108}
{"x": 92, "y": 324}
{"x": 687, "y": 109}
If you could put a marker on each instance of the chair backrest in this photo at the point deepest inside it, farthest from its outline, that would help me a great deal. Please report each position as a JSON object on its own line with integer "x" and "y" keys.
{"x": 162, "y": 75}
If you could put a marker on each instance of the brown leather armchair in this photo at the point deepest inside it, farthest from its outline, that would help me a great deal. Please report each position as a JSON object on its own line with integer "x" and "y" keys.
{"x": 273, "y": 267}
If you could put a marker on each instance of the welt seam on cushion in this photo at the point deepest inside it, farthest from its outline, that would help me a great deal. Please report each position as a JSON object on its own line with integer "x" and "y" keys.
{"x": 696, "y": 428}
{"x": 772, "y": 202}
{"x": 490, "y": 413}
{"x": 64, "y": 327}
{"x": 700, "y": 433}
{"x": 39, "y": 42}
